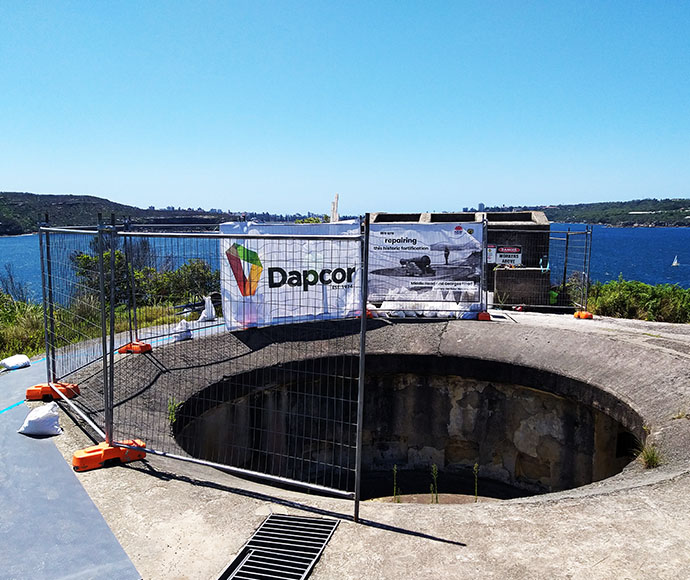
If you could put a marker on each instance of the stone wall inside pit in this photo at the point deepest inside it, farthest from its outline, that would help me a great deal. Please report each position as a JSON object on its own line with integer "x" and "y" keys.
{"x": 522, "y": 436}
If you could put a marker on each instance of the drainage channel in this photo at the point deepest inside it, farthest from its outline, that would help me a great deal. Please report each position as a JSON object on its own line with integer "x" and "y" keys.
{"x": 283, "y": 548}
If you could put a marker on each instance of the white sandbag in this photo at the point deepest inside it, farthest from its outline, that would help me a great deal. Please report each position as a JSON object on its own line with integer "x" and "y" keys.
{"x": 182, "y": 331}
{"x": 43, "y": 420}
{"x": 209, "y": 312}
{"x": 17, "y": 361}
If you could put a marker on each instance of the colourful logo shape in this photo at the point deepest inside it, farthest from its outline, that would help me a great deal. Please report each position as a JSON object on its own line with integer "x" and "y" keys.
{"x": 238, "y": 256}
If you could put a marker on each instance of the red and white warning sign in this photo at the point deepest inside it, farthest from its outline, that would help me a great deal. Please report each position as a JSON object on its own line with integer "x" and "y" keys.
{"x": 509, "y": 255}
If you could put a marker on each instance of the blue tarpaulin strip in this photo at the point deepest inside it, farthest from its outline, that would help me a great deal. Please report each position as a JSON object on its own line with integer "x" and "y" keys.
{"x": 11, "y": 407}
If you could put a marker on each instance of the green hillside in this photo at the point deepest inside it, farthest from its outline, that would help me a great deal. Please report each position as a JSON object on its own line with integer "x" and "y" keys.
{"x": 640, "y": 212}
{"x": 21, "y": 212}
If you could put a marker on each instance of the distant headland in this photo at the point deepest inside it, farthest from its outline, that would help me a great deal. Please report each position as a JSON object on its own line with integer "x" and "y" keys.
{"x": 20, "y": 212}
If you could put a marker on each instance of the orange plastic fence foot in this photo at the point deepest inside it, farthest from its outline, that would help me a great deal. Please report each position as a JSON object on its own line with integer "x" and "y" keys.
{"x": 136, "y": 347}
{"x": 46, "y": 391}
{"x": 103, "y": 454}
{"x": 583, "y": 315}
{"x": 483, "y": 316}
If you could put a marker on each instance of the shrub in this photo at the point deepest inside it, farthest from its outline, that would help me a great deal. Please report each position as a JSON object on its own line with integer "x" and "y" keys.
{"x": 631, "y": 299}
{"x": 191, "y": 279}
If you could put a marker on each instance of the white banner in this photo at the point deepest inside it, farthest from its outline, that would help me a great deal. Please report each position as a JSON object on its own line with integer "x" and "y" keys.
{"x": 425, "y": 269}
{"x": 267, "y": 281}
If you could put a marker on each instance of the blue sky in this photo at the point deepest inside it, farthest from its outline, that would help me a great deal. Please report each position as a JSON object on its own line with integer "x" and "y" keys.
{"x": 395, "y": 106}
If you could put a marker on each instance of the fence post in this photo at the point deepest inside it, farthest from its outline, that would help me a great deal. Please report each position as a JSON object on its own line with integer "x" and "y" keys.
{"x": 588, "y": 260}
{"x": 565, "y": 260}
{"x": 130, "y": 291}
{"x": 111, "y": 361}
{"x": 364, "y": 244}
{"x": 483, "y": 278}
{"x": 132, "y": 295}
{"x": 47, "y": 290}
{"x": 104, "y": 335}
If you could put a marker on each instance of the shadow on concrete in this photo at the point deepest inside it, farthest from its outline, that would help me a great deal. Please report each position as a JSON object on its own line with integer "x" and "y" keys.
{"x": 167, "y": 476}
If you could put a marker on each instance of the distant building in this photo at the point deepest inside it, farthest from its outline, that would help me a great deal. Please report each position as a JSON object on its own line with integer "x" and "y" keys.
{"x": 481, "y": 207}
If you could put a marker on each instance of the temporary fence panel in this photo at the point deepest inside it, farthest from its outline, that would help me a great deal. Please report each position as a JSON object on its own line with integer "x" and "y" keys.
{"x": 538, "y": 268}
{"x": 276, "y": 400}
{"x": 73, "y": 269}
{"x": 425, "y": 270}
{"x": 571, "y": 251}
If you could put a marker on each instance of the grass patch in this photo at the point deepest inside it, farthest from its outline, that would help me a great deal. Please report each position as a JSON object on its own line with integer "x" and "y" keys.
{"x": 650, "y": 456}
{"x": 21, "y": 323}
{"x": 155, "y": 315}
{"x": 21, "y": 327}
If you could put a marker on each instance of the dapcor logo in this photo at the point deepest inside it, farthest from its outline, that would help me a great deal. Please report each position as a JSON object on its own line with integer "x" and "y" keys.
{"x": 240, "y": 257}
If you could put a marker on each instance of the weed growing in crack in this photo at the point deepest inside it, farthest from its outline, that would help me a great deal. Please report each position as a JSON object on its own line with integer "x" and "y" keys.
{"x": 396, "y": 489}
{"x": 475, "y": 470}
{"x": 173, "y": 409}
{"x": 433, "y": 487}
{"x": 650, "y": 456}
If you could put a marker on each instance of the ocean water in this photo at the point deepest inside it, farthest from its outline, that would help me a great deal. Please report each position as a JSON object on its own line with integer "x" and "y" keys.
{"x": 23, "y": 255}
{"x": 643, "y": 254}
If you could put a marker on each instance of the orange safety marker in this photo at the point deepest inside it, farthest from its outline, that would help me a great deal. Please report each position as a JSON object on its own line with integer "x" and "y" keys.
{"x": 103, "y": 454}
{"x": 46, "y": 391}
{"x": 483, "y": 316}
{"x": 136, "y": 347}
{"x": 583, "y": 315}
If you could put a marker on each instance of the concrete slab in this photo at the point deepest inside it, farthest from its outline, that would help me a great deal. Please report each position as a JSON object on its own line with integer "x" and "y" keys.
{"x": 179, "y": 520}
{"x": 50, "y": 529}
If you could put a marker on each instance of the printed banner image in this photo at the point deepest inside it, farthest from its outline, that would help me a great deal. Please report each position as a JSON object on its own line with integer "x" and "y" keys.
{"x": 425, "y": 269}
{"x": 266, "y": 281}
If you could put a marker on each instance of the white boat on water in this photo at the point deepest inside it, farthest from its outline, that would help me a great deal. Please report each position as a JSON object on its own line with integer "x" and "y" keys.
{"x": 675, "y": 262}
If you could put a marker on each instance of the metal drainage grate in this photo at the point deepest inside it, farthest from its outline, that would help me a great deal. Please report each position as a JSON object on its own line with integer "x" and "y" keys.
{"x": 283, "y": 548}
